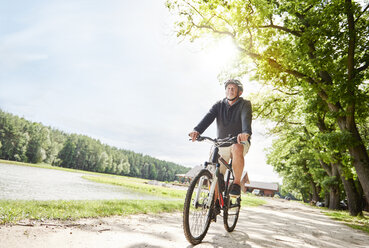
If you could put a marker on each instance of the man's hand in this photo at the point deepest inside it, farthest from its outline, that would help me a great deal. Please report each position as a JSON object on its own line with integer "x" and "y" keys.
{"x": 194, "y": 135}
{"x": 242, "y": 137}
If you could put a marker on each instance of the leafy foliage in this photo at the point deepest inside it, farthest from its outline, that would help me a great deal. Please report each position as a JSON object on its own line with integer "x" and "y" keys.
{"x": 312, "y": 57}
{"x": 26, "y": 141}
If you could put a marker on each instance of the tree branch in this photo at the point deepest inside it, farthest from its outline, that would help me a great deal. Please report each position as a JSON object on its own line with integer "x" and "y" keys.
{"x": 226, "y": 21}
{"x": 364, "y": 67}
{"x": 260, "y": 113}
{"x": 213, "y": 29}
{"x": 326, "y": 167}
{"x": 352, "y": 41}
{"x": 287, "y": 93}
{"x": 295, "y": 123}
{"x": 198, "y": 12}
{"x": 296, "y": 33}
{"x": 273, "y": 63}
{"x": 208, "y": 27}
{"x": 308, "y": 8}
{"x": 362, "y": 12}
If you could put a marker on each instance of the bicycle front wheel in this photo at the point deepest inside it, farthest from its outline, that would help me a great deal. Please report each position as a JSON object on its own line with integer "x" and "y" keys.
{"x": 198, "y": 208}
{"x": 231, "y": 212}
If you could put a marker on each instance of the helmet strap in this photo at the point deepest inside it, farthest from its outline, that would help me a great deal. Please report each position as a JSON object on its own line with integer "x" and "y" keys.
{"x": 232, "y": 99}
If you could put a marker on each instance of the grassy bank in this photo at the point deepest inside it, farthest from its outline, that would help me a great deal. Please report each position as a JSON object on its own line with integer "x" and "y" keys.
{"x": 11, "y": 211}
{"x": 139, "y": 186}
{"x": 249, "y": 200}
{"x": 356, "y": 222}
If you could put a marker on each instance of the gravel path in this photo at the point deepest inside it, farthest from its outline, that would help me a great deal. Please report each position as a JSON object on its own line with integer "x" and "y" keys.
{"x": 279, "y": 223}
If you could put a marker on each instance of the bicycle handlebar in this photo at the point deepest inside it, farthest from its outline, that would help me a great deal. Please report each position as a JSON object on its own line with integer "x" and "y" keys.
{"x": 229, "y": 139}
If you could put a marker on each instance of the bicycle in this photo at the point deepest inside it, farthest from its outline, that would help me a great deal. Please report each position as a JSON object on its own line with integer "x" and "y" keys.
{"x": 199, "y": 207}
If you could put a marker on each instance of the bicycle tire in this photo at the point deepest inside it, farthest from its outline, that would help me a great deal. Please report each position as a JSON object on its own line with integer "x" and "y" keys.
{"x": 231, "y": 212}
{"x": 196, "y": 219}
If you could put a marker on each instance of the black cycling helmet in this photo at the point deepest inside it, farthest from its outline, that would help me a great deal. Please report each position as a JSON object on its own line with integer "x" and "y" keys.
{"x": 234, "y": 81}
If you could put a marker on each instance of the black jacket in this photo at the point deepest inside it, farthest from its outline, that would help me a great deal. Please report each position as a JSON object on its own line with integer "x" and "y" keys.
{"x": 231, "y": 120}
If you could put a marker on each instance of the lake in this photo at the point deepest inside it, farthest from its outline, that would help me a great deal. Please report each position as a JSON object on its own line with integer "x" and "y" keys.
{"x": 32, "y": 183}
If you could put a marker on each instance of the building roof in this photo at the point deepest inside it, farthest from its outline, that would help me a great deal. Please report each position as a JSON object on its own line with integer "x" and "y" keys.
{"x": 194, "y": 171}
{"x": 262, "y": 185}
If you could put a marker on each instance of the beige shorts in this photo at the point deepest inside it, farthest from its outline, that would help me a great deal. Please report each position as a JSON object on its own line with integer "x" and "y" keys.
{"x": 226, "y": 153}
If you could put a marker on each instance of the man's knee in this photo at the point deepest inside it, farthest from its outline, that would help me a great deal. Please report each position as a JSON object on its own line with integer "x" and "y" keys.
{"x": 237, "y": 150}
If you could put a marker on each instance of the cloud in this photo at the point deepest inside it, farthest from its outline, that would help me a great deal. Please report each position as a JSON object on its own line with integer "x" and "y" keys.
{"x": 113, "y": 71}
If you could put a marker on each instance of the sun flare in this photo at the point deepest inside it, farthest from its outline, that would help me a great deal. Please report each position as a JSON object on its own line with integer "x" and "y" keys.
{"x": 221, "y": 53}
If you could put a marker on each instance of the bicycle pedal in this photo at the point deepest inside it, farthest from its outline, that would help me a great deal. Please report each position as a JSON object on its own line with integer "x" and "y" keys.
{"x": 213, "y": 218}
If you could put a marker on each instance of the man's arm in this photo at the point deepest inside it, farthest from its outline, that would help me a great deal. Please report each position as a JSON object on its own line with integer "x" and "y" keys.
{"x": 205, "y": 122}
{"x": 246, "y": 118}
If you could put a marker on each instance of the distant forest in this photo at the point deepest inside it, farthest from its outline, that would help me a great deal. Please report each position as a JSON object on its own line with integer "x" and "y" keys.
{"x": 26, "y": 141}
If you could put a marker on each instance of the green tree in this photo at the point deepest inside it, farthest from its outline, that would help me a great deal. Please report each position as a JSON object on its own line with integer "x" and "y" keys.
{"x": 309, "y": 46}
{"x": 315, "y": 135}
{"x": 26, "y": 141}
{"x": 153, "y": 171}
{"x": 38, "y": 143}
{"x": 13, "y": 137}
{"x": 126, "y": 167}
{"x": 67, "y": 154}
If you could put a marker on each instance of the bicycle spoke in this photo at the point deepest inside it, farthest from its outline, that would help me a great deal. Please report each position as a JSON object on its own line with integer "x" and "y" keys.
{"x": 231, "y": 213}
{"x": 196, "y": 215}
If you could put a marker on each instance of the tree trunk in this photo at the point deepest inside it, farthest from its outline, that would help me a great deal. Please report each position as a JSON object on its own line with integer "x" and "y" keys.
{"x": 334, "y": 193}
{"x": 326, "y": 199}
{"x": 315, "y": 193}
{"x": 334, "y": 189}
{"x": 353, "y": 193}
{"x": 358, "y": 153}
{"x": 334, "y": 197}
{"x": 354, "y": 196}
{"x": 361, "y": 164}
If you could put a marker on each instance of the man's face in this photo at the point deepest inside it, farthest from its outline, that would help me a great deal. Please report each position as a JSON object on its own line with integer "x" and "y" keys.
{"x": 232, "y": 91}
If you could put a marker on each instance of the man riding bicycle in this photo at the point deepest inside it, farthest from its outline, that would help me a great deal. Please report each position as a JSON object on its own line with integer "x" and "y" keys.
{"x": 234, "y": 116}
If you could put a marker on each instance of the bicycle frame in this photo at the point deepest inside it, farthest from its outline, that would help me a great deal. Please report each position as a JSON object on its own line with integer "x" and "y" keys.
{"x": 216, "y": 158}
{"x": 200, "y": 206}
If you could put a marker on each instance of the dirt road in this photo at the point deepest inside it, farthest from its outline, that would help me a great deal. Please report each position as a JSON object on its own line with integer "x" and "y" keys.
{"x": 278, "y": 224}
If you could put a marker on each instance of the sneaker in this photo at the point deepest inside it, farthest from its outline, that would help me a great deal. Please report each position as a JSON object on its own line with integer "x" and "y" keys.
{"x": 235, "y": 190}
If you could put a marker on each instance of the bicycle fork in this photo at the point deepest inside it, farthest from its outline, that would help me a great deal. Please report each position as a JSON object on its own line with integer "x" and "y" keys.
{"x": 214, "y": 184}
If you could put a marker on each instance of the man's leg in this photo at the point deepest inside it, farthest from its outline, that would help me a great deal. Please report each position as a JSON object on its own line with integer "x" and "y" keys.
{"x": 237, "y": 162}
{"x": 238, "y": 153}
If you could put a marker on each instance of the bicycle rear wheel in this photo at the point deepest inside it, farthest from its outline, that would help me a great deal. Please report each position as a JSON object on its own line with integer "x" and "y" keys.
{"x": 231, "y": 212}
{"x": 196, "y": 212}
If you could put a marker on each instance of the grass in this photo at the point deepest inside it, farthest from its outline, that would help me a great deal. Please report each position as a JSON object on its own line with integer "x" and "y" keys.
{"x": 139, "y": 186}
{"x": 249, "y": 200}
{"x": 12, "y": 211}
{"x": 356, "y": 222}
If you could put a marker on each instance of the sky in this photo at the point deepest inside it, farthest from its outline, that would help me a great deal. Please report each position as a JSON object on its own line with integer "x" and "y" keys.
{"x": 114, "y": 70}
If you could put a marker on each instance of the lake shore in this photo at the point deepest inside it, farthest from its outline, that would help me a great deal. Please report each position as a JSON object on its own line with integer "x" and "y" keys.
{"x": 12, "y": 211}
